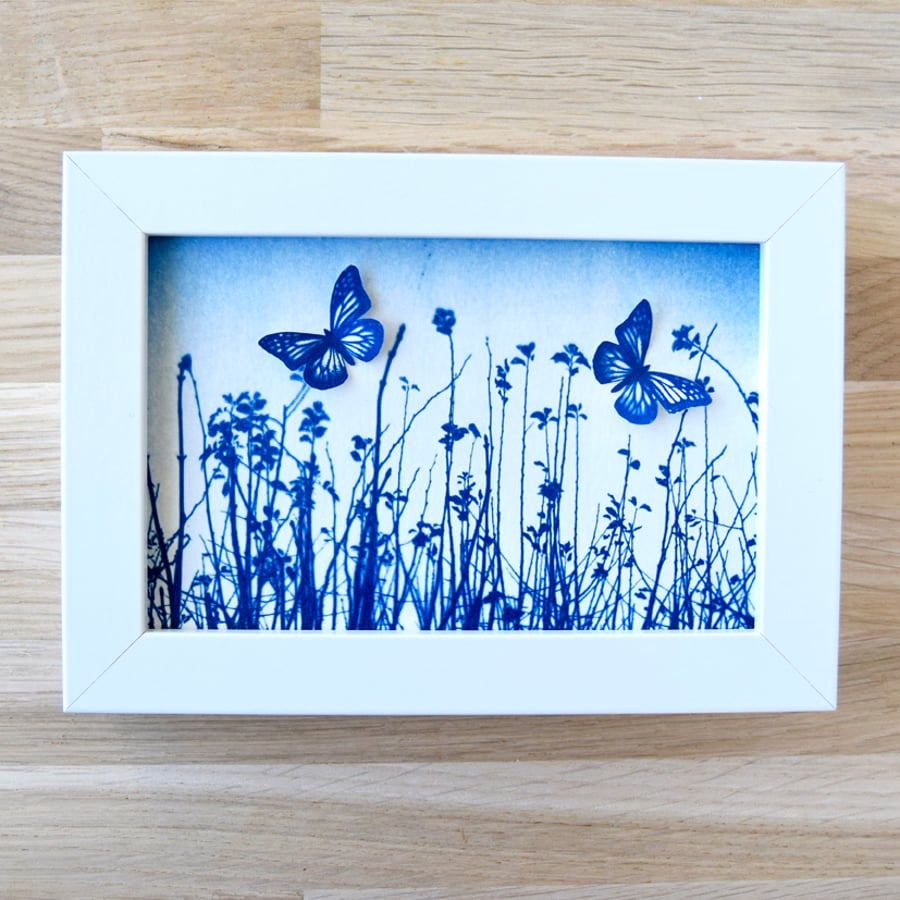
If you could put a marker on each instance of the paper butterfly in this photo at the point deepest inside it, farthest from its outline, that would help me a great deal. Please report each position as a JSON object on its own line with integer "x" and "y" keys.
{"x": 642, "y": 388}
{"x": 322, "y": 359}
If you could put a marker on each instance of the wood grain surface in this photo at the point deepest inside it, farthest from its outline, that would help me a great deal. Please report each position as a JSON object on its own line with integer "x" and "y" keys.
{"x": 804, "y": 805}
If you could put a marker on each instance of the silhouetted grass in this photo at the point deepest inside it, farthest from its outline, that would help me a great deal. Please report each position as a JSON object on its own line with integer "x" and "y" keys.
{"x": 502, "y": 529}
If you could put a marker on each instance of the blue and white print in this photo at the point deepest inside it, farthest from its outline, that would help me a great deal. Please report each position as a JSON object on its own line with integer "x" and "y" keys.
{"x": 451, "y": 435}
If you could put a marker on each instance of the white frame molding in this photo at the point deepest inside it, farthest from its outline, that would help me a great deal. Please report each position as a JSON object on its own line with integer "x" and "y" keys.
{"x": 112, "y": 201}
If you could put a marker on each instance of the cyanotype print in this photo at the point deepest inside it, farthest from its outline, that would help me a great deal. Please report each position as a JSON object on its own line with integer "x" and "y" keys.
{"x": 424, "y": 435}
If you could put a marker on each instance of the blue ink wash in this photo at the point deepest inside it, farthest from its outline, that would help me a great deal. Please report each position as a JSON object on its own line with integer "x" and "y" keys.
{"x": 322, "y": 359}
{"x": 642, "y": 389}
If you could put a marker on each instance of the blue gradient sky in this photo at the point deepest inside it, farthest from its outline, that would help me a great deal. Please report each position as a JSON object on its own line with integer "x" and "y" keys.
{"x": 214, "y": 297}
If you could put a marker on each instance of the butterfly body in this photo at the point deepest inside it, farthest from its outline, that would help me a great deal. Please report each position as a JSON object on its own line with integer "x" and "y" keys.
{"x": 641, "y": 389}
{"x": 322, "y": 359}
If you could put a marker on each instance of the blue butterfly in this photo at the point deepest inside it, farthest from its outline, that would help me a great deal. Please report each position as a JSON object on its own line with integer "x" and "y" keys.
{"x": 323, "y": 358}
{"x": 641, "y": 388}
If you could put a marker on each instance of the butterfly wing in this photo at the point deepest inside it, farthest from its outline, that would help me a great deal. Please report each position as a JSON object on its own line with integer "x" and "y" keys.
{"x": 320, "y": 358}
{"x": 615, "y": 362}
{"x": 634, "y": 335}
{"x": 623, "y": 362}
{"x": 637, "y": 402}
{"x": 349, "y": 301}
{"x": 363, "y": 339}
{"x": 609, "y": 364}
{"x": 676, "y": 393}
{"x": 294, "y": 348}
{"x": 326, "y": 367}
{"x": 359, "y": 337}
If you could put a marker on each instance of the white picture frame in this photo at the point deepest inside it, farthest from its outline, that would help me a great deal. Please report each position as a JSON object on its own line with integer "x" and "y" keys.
{"x": 112, "y": 202}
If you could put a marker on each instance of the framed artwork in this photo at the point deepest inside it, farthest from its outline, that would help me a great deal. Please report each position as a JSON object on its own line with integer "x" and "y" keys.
{"x": 428, "y": 434}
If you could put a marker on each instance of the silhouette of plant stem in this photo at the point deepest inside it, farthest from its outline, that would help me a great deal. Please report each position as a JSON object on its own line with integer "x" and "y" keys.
{"x": 175, "y": 596}
{"x": 526, "y": 352}
{"x": 365, "y": 582}
{"x": 157, "y": 542}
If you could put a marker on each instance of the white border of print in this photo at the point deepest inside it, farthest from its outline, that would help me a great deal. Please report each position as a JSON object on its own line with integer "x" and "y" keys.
{"x": 113, "y": 201}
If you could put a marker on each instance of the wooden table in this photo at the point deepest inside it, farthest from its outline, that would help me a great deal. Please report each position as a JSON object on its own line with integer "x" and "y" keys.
{"x": 767, "y": 805}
